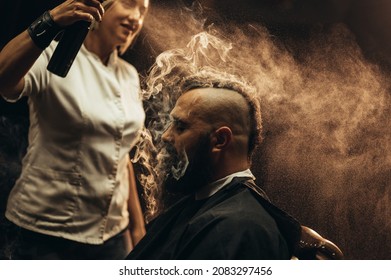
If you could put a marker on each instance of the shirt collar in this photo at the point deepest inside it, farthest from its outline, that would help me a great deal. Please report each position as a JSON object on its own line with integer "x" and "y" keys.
{"x": 217, "y": 185}
{"x": 112, "y": 59}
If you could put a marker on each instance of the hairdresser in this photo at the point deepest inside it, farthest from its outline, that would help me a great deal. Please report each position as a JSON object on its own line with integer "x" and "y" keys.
{"x": 76, "y": 196}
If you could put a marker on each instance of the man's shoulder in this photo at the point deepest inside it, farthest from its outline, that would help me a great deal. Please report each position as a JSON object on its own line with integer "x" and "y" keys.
{"x": 238, "y": 195}
{"x": 240, "y": 208}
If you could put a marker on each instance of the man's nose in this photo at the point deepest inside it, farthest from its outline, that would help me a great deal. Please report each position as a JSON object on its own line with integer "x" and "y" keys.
{"x": 167, "y": 136}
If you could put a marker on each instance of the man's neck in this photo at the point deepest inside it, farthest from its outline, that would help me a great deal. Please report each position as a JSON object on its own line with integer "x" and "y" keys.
{"x": 217, "y": 185}
{"x": 224, "y": 169}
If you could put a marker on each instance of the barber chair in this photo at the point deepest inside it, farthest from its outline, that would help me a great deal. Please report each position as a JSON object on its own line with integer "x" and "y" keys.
{"x": 312, "y": 246}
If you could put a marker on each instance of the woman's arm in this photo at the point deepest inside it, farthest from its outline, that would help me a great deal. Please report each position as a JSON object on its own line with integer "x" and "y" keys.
{"x": 19, "y": 55}
{"x": 136, "y": 218}
{"x": 16, "y": 58}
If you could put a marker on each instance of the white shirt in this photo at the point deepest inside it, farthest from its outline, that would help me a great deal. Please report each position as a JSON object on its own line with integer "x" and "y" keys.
{"x": 74, "y": 180}
{"x": 215, "y": 186}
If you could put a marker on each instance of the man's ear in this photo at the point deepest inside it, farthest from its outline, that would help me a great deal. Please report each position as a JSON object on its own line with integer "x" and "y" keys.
{"x": 221, "y": 138}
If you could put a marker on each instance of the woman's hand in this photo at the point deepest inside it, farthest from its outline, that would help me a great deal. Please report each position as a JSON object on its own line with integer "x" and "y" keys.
{"x": 75, "y": 10}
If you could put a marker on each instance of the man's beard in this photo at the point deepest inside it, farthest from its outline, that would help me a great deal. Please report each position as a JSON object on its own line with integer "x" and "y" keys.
{"x": 186, "y": 177}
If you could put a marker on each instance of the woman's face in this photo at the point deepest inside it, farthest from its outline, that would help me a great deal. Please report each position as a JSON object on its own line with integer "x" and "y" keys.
{"x": 123, "y": 20}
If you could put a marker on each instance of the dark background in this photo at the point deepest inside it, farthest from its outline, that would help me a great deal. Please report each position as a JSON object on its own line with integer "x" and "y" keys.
{"x": 357, "y": 230}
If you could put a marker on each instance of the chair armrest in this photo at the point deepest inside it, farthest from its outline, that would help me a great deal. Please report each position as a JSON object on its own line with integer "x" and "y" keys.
{"x": 312, "y": 246}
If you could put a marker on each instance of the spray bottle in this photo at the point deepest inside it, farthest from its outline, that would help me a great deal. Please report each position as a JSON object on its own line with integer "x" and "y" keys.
{"x": 68, "y": 47}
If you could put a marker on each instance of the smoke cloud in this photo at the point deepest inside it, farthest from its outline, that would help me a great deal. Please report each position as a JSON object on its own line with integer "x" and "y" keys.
{"x": 326, "y": 157}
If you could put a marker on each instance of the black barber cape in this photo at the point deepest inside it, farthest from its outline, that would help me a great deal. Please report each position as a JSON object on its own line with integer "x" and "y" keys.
{"x": 235, "y": 223}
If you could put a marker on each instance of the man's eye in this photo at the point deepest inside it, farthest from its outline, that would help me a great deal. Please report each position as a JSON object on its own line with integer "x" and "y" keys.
{"x": 179, "y": 126}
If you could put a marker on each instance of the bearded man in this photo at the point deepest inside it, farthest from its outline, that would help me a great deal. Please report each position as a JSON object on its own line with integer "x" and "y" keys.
{"x": 224, "y": 214}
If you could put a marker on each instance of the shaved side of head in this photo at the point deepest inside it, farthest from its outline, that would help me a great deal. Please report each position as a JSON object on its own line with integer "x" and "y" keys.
{"x": 221, "y": 107}
{"x": 227, "y": 100}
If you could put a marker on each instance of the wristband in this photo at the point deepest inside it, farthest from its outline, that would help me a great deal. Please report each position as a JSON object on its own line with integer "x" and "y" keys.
{"x": 43, "y": 30}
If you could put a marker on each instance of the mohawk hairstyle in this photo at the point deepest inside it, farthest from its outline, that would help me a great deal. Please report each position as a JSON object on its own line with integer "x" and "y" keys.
{"x": 231, "y": 82}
